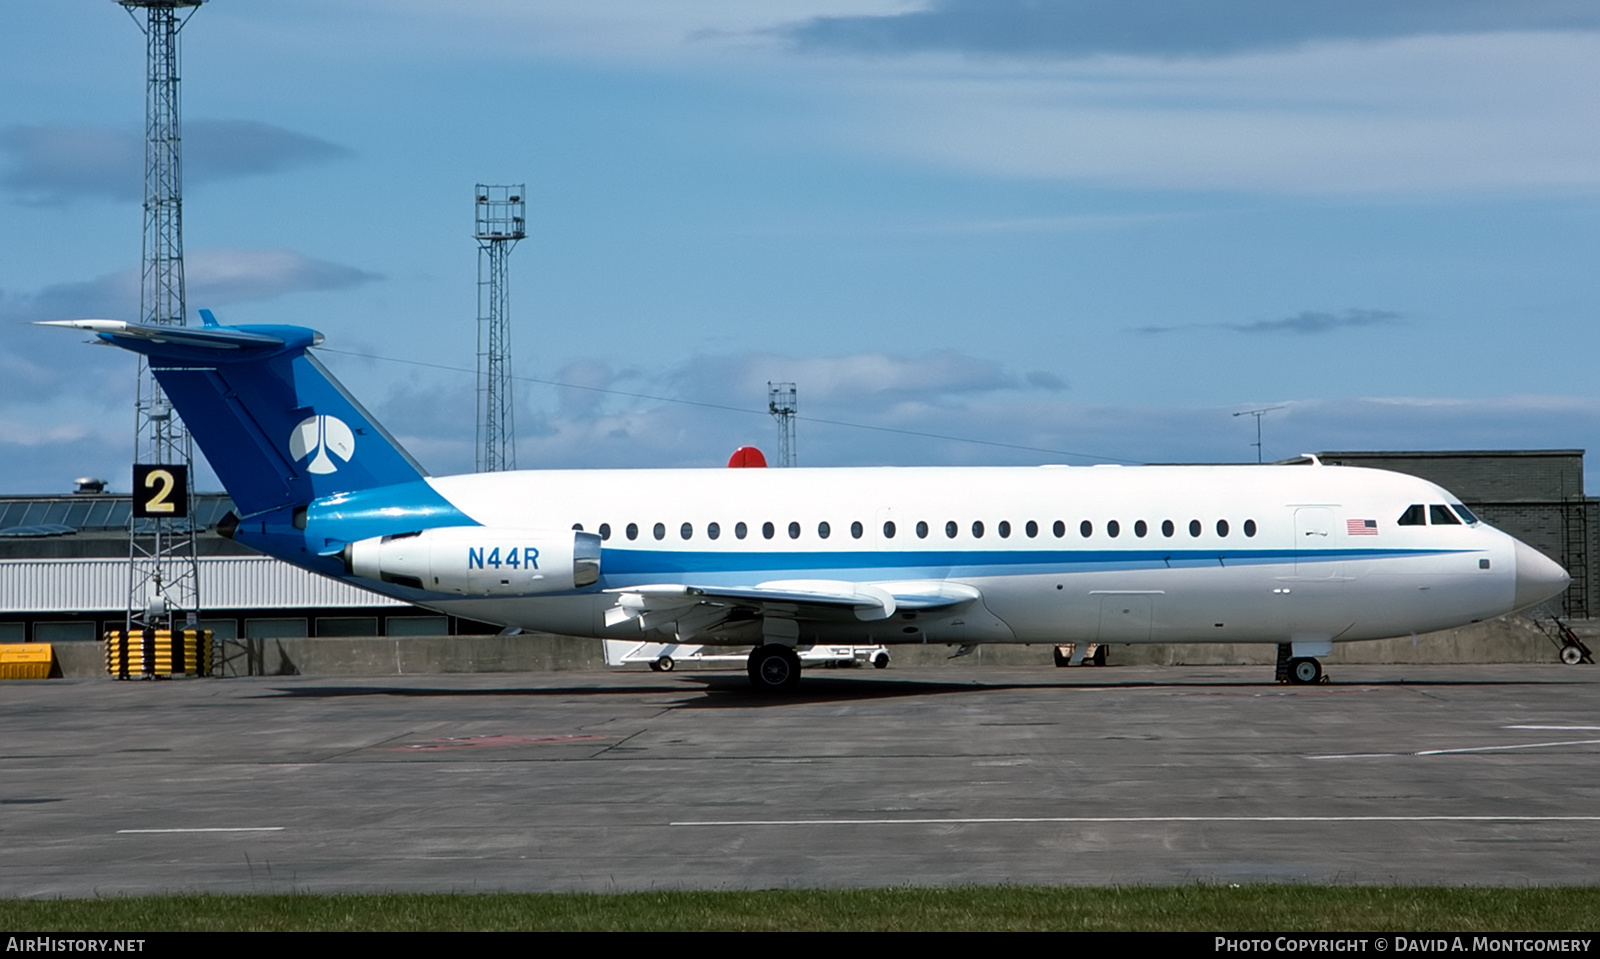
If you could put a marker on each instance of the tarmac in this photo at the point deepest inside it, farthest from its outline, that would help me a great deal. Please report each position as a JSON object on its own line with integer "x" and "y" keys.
{"x": 924, "y": 776}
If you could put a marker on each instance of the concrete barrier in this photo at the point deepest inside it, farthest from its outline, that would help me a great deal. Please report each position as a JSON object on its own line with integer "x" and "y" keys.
{"x": 1510, "y": 639}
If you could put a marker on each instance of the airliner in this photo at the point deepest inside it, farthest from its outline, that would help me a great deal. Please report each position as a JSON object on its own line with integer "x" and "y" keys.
{"x": 1301, "y": 556}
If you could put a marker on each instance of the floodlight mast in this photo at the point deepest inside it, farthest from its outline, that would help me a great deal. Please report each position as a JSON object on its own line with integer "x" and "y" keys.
{"x": 500, "y": 223}
{"x": 164, "y": 575}
{"x": 784, "y": 404}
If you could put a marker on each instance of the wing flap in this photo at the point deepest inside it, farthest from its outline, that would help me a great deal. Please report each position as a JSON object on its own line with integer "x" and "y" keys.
{"x": 658, "y": 605}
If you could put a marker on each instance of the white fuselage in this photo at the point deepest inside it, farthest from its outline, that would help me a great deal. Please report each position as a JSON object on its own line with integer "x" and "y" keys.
{"x": 1274, "y": 554}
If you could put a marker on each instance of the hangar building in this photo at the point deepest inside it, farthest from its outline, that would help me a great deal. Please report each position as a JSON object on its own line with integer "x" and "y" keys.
{"x": 64, "y": 577}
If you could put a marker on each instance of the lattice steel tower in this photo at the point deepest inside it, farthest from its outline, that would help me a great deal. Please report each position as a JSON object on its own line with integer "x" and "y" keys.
{"x": 164, "y": 581}
{"x": 500, "y": 224}
{"x": 783, "y": 404}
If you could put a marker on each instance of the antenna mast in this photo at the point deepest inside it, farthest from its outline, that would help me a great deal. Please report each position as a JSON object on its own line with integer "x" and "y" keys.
{"x": 1258, "y": 414}
{"x": 500, "y": 224}
{"x": 164, "y": 575}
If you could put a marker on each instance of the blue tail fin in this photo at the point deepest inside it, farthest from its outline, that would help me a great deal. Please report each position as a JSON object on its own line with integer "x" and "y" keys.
{"x": 275, "y": 425}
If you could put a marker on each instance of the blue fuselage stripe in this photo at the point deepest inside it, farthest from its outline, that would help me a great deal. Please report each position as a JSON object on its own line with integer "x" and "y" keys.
{"x": 632, "y": 563}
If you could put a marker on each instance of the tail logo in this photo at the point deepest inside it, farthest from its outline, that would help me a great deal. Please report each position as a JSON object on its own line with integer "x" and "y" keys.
{"x": 317, "y": 437}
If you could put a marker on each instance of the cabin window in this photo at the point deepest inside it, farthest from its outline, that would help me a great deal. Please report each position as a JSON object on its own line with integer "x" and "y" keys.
{"x": 633, "y": 530}
{"x": 1032, "y": 529}
{"x": 740, "y": 530}
{"x": 922, "y": 530}
{"x": 977, "y": 529}
{"x": 660, "y": 531}
{"x": 950, "y": 529}
{"x": 1059, "y": 528}
{"x": 686, "y": 530}
{"x": 794, "y": 530}
{"x": 1249, "y": 527}
{"x": 1222, "y": 527}
{"x": 1004, "y": 529}
{"x": 856, "y": 530}
{"x": 1466, "y": 514}
{"x": 1086, "y": 529}
{"x": 1194, "y": 527}
{"x": 1113, "y": 529}
{"x": 1167, "y": 529}
{"x": 888, "y": 529}
{"x": 1414, "y": 515}
{"x": 1140, "y": 527}
{"x": 605, "y": 531}
{"x": 1441, "y": 516}
{"x": 713, "y": 530}
{"x": 823, "y": 529}
{"x": 767, "y": 529}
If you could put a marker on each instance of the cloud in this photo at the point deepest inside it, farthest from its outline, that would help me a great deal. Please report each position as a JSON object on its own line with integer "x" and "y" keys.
{"x": 1001, "y": 426}
{"x": 36, "y": 363}
{"x": 47, "y": 442}
{"x": 1420, "y": 115}
{"x": 1312, "y": 321}
{"x": 224, "y": 149}
{"x": 846, "y": 380}
{"x": 1074, "y": 29}
{"x": 58, "y": 163}
{"x": 699, "y": 411}
{"x": 1304, "y": 323}
{"x": 1432, "y": 423}
{"x": 216, "y": 277}
{"x": 236, "y": 276}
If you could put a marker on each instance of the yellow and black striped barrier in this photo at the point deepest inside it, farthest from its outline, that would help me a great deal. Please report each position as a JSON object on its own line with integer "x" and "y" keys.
{"x": 158, "y": 652}
{"x": 26, "y": 660}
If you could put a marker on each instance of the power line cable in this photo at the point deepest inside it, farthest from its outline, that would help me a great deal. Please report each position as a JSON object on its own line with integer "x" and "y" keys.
{"x": 740, "y": 409}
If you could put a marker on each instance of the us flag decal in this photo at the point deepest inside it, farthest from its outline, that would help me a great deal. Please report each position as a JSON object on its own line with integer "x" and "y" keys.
{"x": 1361, "y": 527}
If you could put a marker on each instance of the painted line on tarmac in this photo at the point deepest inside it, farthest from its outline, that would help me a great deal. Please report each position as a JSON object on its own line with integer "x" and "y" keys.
{"x": 1497, "y": 749}
{"x": 1567, "y": 728}
{"x": 1123, "y": 819}
{"x": 122, "y": 832}
{"x": 1463, "y": 749}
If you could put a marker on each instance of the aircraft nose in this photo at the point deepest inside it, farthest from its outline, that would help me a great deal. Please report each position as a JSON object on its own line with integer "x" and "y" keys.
{"x": 1538, "y": 577}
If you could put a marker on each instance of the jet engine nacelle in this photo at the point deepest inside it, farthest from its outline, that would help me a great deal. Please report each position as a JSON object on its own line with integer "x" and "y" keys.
{"x": 480, "y": 560}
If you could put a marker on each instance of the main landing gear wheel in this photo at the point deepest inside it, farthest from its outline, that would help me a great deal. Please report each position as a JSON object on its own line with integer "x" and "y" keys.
{"x": 1303, "y": 672}
{"x": 774, "y": 668}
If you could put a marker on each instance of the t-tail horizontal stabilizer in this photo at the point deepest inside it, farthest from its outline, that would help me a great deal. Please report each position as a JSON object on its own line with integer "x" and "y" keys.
{"x": 275, "y": 425}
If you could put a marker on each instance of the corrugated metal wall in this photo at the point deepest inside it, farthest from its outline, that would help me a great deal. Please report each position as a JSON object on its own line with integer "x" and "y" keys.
{"x": 226, "y": 582}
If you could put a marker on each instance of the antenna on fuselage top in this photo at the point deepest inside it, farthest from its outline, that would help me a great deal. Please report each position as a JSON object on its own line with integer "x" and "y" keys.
{"x": 1258, "y": 414}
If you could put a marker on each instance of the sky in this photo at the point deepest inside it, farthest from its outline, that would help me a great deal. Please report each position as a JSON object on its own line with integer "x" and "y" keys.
{"x": 971, "y": 231}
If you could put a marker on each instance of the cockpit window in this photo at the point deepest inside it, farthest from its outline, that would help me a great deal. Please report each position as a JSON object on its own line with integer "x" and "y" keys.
{"x": 1465, "y": 513}
{"x": 1414, "y": 515}
{"x": 1441, "y": 516}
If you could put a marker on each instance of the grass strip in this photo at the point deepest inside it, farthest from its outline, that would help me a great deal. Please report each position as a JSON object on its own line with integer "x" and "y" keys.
{"x": 1198, "y": 908}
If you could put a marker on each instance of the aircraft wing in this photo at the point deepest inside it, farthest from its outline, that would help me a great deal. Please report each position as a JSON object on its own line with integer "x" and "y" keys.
{"x": 697, "y": 610}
